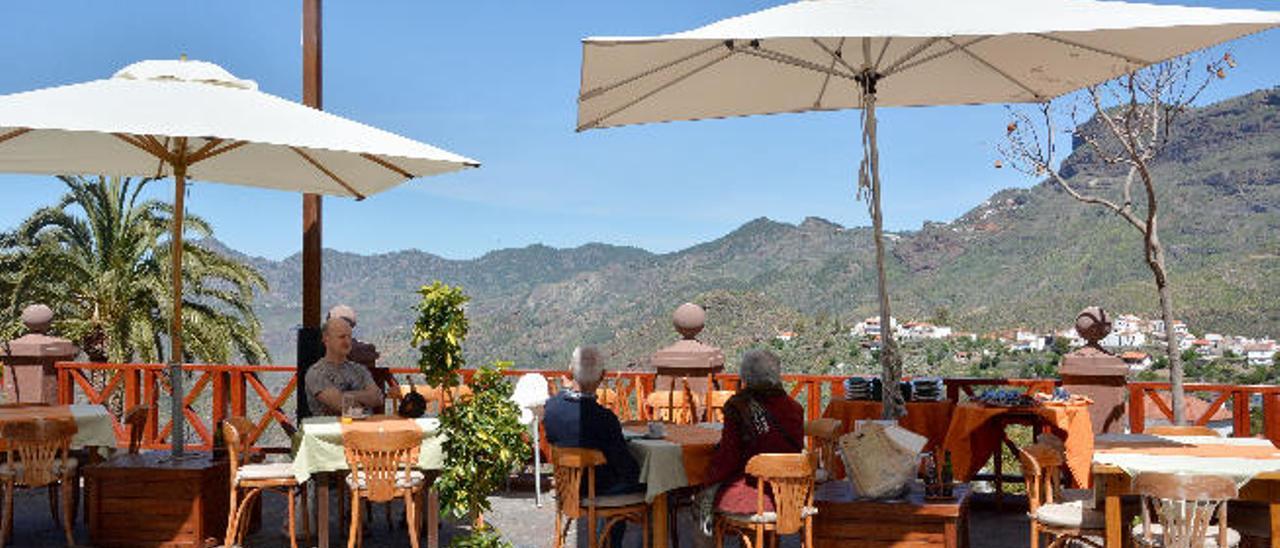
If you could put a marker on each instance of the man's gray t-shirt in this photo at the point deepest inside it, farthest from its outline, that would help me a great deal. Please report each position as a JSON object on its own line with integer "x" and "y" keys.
{"x": 347, "y": 376}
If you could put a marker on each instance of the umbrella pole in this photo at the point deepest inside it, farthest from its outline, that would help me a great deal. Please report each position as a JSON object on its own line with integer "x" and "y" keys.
{"x": 178, "y": 431}
{"x": 890, "y": 362}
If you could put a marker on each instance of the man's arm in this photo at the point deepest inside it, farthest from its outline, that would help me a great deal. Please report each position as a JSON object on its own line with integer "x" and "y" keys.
{"x": 331, "y": 398}
{"x": 371, "y": 397}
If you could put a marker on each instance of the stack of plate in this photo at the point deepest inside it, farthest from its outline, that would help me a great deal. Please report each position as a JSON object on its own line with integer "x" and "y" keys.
{"x": 928, "y": 389}
{"x": 861, "y": 388}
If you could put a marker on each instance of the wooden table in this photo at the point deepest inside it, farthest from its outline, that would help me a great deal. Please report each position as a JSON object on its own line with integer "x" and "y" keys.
{"x": 913, "y": 522}
{"x": 1113, "y": 481}
{"x": 94, "y": 428}
{"x": 696, "y": 444}
{"x": 147, "y": 500}
{"x": 976, "y": 434}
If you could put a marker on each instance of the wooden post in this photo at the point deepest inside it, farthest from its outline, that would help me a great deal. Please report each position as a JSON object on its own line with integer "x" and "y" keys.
{"x": 1137, "y": 409}
{"x": 312, "y": 213}
{"x": 1240, "y": 414}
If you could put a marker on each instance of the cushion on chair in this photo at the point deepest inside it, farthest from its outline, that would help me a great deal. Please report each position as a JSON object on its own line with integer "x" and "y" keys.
{"x": 275, "y": 470}
{"x": 415, "y": 479}
{"x": 1210, "y": 540}
{"x": 768, "y": 517}
{"x": 15, "y": 468}
{"x": 1071, "y": 515}
{"x": 617, "y": 501}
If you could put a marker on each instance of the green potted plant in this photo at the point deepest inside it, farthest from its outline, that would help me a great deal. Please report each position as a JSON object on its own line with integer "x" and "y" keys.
{"x": 484, "y": 439}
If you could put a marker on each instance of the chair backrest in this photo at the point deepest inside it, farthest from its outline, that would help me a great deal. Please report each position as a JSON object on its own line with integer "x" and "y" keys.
{"x": 235, "y": 435}
{"x": 1169, "y": 430}
{"x": 1042, "y": 470}
{"x": 38, "y": 444}
{"x": 436, "y": 398}
{"x": 571, "y": 464}
{"x": 790, "y": 478}
{"x": 1184, "y": 505}
{"x": 677, "y": 406}
{"x": 136, "y": 421}
{"x": 380, "y": 458}
{"x": 614, "y": 394}
{"x": 824, "y": 433}
{"x": 718, "y": 399}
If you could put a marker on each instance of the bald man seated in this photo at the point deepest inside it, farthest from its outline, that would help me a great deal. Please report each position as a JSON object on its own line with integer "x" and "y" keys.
{"x": 336, "y": 376}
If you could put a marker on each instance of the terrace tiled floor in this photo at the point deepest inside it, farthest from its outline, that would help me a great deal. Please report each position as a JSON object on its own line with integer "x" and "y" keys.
{"x": 514, "y": 514}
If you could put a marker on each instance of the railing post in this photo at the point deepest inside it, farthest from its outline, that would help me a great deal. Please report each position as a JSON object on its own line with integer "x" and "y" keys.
{"x": 64, "y": 384}
{"x": 1271, "y": 416}
{"x": 1240, "y": 427}
{"x": 953, "y": 390}
{"x": 132, "y": 388}
{"x": 1137, "y": 409}
{"x": 239, "y": 403}
{"x": 151, "y": 395}
{"x": 219, "y": 400}
{"x": 815, "y": 399}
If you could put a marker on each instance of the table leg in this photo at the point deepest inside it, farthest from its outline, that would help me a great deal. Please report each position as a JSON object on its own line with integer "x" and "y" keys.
{"x": 1114, "y": 518}
{"x": 322, "y": 510}
{"x": 433, "y": 518}
{"x": 658, "y": 520}
{"x": 1275, "y": 524}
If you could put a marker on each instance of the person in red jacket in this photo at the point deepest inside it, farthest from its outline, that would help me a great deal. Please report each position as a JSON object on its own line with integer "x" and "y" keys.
{"x": 760, "y": 418}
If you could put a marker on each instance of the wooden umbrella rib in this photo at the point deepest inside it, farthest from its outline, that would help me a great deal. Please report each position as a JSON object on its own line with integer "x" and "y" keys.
{"x": 143, "y": 145}
{"x": 202, "y": 154}
{"x": 15, "y": 133}
{"x": 387, "y": 164}
{"x": 326, "y": 171}
{"x": 204, "y": 149}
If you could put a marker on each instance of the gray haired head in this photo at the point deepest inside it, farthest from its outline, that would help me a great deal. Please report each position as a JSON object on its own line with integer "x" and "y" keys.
{"x": 760, "y": 369}
{"x": 587, "y": 366}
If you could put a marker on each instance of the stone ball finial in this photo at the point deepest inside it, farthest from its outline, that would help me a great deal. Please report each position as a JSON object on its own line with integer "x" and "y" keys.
{"x": 1093, "y": 324}
{"x": 37, "y": 318}
{"x": 689, "y": 319}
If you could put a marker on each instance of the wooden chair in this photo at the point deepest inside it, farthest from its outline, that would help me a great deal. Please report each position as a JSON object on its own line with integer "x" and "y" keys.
{"x": 1184, "y": 505}
{"x": 1189, "y": 430}
{"x": 1064, "y": 520}
{"x": 680, "y": 407}
{"x": 718, "y": 399}
{"x": 823, "y": 434}
{"x": 571, "y": 464}
{"x": 136, "y": 421}
{"x": 790, "y": 478}
{"x": 36, "y": 455}
{"x": 248, "y": 481}
{"x": 382, "y": 469}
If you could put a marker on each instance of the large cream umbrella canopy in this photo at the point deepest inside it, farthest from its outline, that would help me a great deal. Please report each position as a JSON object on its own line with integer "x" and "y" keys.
{"x": 192, "y": 119}
{"x": 838, "y": 54}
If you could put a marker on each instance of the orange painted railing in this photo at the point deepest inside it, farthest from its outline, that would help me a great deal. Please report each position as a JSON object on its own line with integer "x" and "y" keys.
{"x": 1240, "y": 397}
{"x": 264, "y": 394}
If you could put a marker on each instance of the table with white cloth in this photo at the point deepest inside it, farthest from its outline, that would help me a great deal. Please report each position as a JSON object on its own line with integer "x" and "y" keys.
{"x": 1254, "y": 464}
{"x": 94, "y": 424}
{"x": 681, "y": 458}
{"x": 320, "y": 454}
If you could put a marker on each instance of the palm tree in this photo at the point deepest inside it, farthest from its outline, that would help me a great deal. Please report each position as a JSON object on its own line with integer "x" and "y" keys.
{"x": 100, "y": 259}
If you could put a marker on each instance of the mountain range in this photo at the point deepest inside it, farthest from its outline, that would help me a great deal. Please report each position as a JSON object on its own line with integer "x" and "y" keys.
{"x": 1027, "y": 257}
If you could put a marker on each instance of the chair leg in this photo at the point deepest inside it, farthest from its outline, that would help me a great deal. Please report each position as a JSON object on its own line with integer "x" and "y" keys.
{"x": 1035, "y": 534}
{"x": 306, "y": 513}
{"x": 246, "y": 506}
{"x": 293, "y": 523}
{"x": 759, "y": 536}
{"x": 410, "y": 518}
{"x": 232, "y": 517}
{"x": 6, "y": 522}
{"x": 67, "y": 521}
{"x": 354, "y": 533}
{"x": 717, "y": 534}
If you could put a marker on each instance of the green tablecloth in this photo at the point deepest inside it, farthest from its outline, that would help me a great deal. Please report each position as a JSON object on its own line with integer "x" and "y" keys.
{"x": 661, "y": 466}
{"x": 320, "y": 447}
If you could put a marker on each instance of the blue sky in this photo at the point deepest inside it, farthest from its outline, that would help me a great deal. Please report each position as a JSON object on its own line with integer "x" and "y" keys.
{"x": 497, "y": 81}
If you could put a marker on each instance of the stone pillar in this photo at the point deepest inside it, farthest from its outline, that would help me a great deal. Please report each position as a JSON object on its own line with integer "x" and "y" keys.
{"x": 1092, "y": 371}
{"x": 29, "y": 359}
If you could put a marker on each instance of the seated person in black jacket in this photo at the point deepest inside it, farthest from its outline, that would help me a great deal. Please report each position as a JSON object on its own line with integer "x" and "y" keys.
{"x": 573, "y": 418}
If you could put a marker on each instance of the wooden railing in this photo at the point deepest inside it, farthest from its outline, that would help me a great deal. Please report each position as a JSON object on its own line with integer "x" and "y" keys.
{"x": 1239, "y": 397}
{"x": 265, "y": 394}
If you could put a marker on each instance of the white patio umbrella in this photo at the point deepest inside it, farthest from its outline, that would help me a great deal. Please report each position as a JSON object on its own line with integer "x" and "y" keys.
{"x": 837, "y": 54}
{"x": 194, "y": 119}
